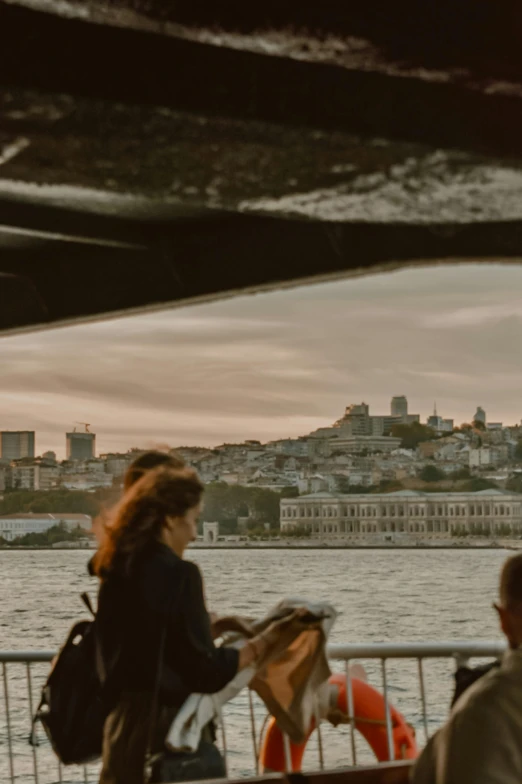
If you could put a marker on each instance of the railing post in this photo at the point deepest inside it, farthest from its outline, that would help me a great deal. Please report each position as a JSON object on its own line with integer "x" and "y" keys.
{"x": 319, "y": 735}
{"x": 253, "y": 728}
{"x": 224, "y": 740}
{"x": 350, "y": 706}
{"x": 423, "y": 699}
{"x": 8, "y": 723}
{"x": 288, "y": 753}
{"x": 387, "y": 714}
{"x": 31, "y": 717}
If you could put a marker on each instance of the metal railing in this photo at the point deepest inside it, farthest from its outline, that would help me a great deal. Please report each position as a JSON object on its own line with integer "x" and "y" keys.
{"x": 459, "y": 652}
{"x": 20, "y": 762}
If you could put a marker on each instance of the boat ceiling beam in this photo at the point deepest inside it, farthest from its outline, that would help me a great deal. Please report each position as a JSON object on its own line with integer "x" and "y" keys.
{"x": 394, "y": 97}
{"x": 156, "y": 153}
{"x": 205, "y": 258}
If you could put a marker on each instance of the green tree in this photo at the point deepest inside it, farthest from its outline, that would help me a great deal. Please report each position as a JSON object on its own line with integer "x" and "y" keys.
{"x": 50, "y": 502}
{"x": 388, "y": 486}
{"x": 58, "y": 533}
{"x": 264, "y": 506}
{"x": 462, "y": 473}
{"x": 431, "y": 473}
{"x": 518, "y": 450}
{"x": 514, "y": 483}
{"x": 289, "y": 492}
{"x": 225, "y": 503}
{"x": 299, "y": 532}
{"x": 412, "y": 435}
{"x": 478, "y": 483}
{"x": 360, "y": 489}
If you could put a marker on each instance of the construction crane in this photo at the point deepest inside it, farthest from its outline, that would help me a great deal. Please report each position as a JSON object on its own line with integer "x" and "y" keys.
{"x": 85, "y": 424}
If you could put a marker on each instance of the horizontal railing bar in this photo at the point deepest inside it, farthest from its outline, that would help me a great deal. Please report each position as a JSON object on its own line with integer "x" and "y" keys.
{"x": 416, "y": 650}
{"x": 343, "y": 651}
{"x": 27, "y": 656}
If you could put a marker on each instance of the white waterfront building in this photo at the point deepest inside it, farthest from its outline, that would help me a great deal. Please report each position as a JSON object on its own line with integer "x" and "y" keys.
{"x": 17, "y": 525}
{"x": 405, "y": 511}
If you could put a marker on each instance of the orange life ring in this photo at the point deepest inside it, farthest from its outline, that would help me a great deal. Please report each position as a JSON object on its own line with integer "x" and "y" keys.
{"x": 370, "y": 721}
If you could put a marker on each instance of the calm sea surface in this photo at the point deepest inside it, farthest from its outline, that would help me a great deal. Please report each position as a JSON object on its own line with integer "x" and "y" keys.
{"x": 381, "y": 595}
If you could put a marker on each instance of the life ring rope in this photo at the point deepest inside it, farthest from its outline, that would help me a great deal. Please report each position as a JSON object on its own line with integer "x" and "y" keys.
{"x": 343, "y": 718}
{"x": 374, "y": 730}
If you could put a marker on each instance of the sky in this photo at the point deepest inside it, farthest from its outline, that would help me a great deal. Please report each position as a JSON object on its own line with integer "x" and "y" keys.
{"x": 275, "y": 365}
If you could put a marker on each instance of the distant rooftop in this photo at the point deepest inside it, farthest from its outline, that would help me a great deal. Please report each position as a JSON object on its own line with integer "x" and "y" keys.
{"x": 320, "y": 494}
{"x": 408, "y": 494}
{"x": 44, "y": 516}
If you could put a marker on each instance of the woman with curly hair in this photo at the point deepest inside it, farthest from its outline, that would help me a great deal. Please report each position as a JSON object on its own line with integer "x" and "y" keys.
{"x": 154, "y": 631}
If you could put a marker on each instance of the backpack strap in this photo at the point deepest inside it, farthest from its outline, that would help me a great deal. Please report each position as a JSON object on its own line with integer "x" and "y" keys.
{"x": 87, "y": 602}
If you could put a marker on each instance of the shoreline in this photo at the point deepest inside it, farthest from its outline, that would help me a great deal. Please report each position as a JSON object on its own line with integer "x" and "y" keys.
{"x": 232, "y": 546}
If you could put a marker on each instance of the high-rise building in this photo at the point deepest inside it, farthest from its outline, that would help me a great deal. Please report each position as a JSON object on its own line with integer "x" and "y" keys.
{"x": 438, "y": 423}
{"x": 15, "y": 444}
{"x": 357, "y": 419}
{"x": 358, "y": 422}
{"x": 80, "y": 446}
{"x": 480, "y": 415}
{"x": 399, "y": 406}
{"x": 30, "y": 474}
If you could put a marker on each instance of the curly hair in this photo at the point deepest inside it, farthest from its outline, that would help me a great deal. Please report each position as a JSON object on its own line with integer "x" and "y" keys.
{"x": 141, "y": 515}
{"x": 146, "y": 462}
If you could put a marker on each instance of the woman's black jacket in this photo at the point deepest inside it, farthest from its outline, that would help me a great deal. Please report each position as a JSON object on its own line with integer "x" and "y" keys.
{"x": 162, "y": 594}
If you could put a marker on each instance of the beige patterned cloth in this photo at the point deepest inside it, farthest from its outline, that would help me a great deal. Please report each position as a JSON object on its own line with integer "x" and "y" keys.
{"x": 291, "y": 678}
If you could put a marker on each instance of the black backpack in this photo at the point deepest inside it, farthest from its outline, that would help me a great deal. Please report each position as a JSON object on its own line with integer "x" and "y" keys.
{"x": 71, "y": 708}
{"x": 466, "y": 676}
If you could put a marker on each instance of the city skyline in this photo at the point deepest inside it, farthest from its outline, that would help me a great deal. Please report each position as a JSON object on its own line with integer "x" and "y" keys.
{"x": 373, "y": 411}
{"x": 275, "y": 365}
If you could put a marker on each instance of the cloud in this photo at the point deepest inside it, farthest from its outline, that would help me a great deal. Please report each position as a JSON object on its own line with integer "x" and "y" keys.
{"x": 474, "y": 316}
{"x": 275, "y": 364}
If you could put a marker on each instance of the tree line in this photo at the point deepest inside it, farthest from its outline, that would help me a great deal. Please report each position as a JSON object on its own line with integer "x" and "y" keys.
{"x": 57, "y": 533}
{"x": 222, "y": 503}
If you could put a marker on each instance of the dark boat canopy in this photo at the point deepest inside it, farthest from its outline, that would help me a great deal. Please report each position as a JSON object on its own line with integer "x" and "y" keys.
{"x": 156, "y": 152}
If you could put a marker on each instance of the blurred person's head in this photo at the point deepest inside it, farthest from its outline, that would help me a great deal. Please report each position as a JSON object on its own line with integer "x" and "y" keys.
{"x": 146, "y": 462}
{"x": 164, "y": 505}
{"x": 509, "y": 607}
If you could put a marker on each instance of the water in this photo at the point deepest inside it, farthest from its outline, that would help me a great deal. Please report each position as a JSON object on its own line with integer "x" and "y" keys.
{"x": 381, "y": 595}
